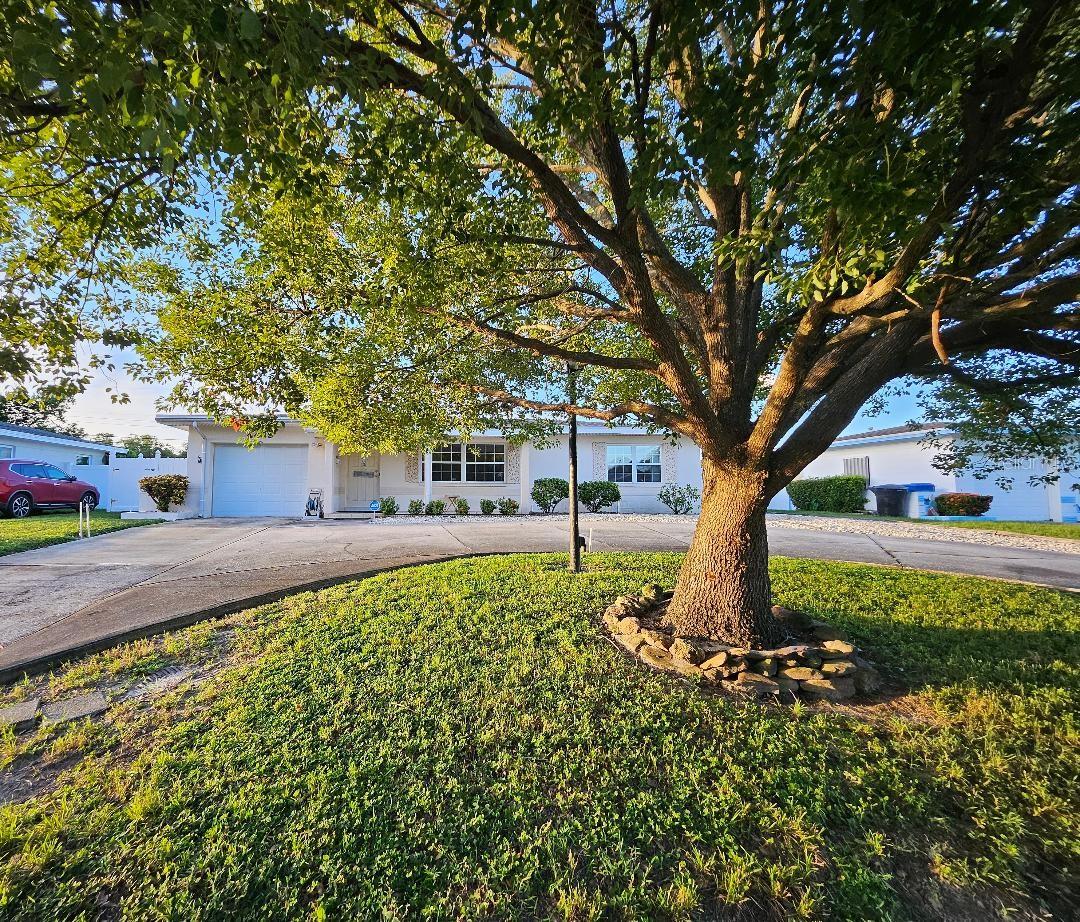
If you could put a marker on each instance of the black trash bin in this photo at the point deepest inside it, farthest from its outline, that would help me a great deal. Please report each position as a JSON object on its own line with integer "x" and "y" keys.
{"x": 892, "y": 499}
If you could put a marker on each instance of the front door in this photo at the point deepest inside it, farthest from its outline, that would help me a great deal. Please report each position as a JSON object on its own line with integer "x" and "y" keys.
{"x": 361, "y": 481}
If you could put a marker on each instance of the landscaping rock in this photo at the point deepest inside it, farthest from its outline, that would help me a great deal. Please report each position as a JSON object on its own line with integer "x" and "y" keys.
{"x": 793, "y": 620}
{"x": 657, "y": 638}
{"x": 684, "y": 667}
{"x": 22, "y": 716}
{"x": 824, "y": 667}
{"x": 657, "y": 657}
{"x": 88, "y": 705}
{"x": 787, "y": 686}
{"x": 829, "y": 689}
{"x": 758, "y": 685}
{"x": 717, "y": 660}
{"x": 799, "y": 673}
{"x": 823, "y": 631}
{"x": 632, "y": 642}
{"x": 766, "y": 666}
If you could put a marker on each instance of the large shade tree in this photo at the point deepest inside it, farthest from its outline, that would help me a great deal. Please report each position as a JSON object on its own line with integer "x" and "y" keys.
{"x": 739, "y": 221}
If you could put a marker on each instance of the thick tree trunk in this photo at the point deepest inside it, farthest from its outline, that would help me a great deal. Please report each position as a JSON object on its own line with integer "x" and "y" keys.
{"x": 723, "y": 590}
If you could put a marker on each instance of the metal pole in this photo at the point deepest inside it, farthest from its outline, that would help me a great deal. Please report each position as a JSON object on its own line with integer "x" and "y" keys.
{"x": 575, "y": 531}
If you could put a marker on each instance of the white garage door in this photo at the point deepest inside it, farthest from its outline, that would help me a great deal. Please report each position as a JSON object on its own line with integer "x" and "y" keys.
{"x": 267, "y": 480}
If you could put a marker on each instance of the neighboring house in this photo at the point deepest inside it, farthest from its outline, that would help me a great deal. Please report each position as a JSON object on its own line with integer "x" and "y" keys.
{"x": 887, "y": 456}
{"x": 82, "y": 459}
{"x": 274, "y": 479}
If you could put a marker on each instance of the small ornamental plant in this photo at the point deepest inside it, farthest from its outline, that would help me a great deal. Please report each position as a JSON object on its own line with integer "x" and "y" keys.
{"x": 165, "y": 489}
{"x": 680, "y": 500}
{"x": 461, "y": 506}
{"x": 487, "y": 507}
{"x": 548, "y": 492}
{"x": 508, "y": 506}
{"x": 596, "y": 494}
{"x": 435, "y": 507}
{"x": 962, "y": 503}
{"x": 416, "y": 507}
{"x": 388, "y": 505}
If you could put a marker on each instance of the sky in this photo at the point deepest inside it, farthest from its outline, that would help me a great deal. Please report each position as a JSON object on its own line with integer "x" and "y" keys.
{"x": 95, "y": 412}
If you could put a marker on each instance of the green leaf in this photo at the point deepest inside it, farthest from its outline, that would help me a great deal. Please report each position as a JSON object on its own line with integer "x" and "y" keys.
{"x": 250, "y": 25}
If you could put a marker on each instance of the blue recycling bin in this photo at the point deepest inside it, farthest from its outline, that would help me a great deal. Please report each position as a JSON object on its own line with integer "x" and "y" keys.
{"x": 924, "y": 497}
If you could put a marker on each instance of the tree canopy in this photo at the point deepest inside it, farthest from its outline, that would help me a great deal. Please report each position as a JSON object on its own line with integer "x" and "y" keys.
{"x": 742, "y": 220}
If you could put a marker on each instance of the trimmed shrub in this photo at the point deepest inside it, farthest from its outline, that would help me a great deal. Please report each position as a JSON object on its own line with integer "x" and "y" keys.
{"x": 487, "y": 507}
{"x": 416, "y": 507}
{"x": 165, "y": 489}
{"x": 508, "y": 506}
{"x": 679, "y": 500}
{"x": 596, "y": 494}
{"x": 435, "y": 507}
{"x": 845, "y": 493}
{"x": 962, "y": 503}
{"x": 388, "y": 506}
{"x": 548, "y": 492}
{"x": 461, "y": 506}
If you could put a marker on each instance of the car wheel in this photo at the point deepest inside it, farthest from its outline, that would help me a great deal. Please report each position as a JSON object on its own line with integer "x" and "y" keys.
{"x": 20, "y": 506}
{"x": 88, "y": 499}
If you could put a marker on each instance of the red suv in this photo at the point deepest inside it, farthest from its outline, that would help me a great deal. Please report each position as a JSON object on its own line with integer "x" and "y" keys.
{"x": 29, "y": 485}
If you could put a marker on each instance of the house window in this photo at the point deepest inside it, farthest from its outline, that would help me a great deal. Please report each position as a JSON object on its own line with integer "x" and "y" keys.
{"x": 633, "y": 463}
{"x": 461, "y": 463}
{"x": 485, "y": 463}
{"x": 858, "y": 467}
{"x": 82, "y": 460}
{"x": 7, "y": 451}
{"x": 446, "y": 463}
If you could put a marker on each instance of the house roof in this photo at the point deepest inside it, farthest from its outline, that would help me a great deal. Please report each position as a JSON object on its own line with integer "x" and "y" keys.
{"x": 32, "y": 434}
{"x": 911, "y": 430}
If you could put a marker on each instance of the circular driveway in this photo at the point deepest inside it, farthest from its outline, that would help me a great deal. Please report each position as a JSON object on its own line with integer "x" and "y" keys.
{"x": 87, "y": 595}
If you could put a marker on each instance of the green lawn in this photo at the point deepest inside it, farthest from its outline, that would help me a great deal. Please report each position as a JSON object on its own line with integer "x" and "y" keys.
{"x": 458, "y": 741}
{"x": 55, "y": 528}
{"x": 1047, "y": 529}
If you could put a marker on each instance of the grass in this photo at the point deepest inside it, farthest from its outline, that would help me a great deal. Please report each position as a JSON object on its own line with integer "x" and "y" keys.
{"x": 55, "y": 528}
{"x": 458, "y": 741}
{"x": 1046, "y": 529}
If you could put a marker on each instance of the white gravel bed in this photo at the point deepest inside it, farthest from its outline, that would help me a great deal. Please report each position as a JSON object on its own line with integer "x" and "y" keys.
{"x": 915, "y": 529}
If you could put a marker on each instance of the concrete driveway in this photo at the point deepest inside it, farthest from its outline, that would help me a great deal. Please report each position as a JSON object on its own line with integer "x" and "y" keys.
{"x": 86, "y": 595}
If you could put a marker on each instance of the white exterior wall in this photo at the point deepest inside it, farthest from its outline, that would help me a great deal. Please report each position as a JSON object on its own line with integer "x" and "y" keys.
{"x": 63, "y": 456}
{"x": 901, "y": 459}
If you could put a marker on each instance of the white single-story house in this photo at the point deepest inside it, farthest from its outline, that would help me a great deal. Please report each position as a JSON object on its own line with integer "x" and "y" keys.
{"x": 894, "y": 456}
{"x": 66, "y": 452}
{"x": 275, "y": 478}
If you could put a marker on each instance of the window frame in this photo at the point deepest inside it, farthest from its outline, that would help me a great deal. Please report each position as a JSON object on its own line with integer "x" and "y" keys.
{"x": 637, "y": 464}
{"x": 10, "y": 449}
{"x": 83, "y": 461}
{"x": 462, "y": 463}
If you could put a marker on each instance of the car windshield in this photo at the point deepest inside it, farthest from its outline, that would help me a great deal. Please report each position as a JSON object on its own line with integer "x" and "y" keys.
{"x": 54, "y": 473}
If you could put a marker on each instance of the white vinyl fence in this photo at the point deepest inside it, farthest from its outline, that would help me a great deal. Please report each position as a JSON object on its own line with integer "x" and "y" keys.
{"x": 122, "y": 493}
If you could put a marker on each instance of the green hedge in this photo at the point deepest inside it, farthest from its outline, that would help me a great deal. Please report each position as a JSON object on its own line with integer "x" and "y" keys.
{"x": 829, "y": 494}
